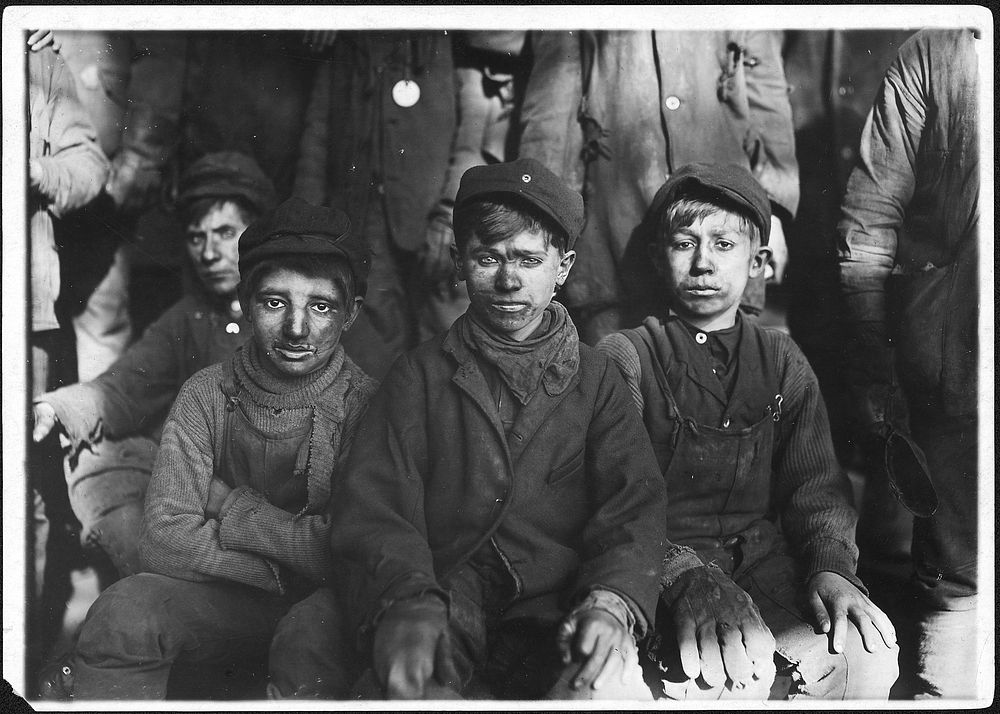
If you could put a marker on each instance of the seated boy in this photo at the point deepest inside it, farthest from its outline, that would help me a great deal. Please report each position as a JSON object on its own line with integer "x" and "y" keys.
{"x": 741, "y": 434}
{"x": 501, "y": 516}
{"x": 113, "y": 422}
{"x": 236, "y": 529}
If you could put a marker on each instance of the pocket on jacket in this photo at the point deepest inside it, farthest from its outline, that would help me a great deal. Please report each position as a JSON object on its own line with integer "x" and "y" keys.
{"x": 570, "y": 468}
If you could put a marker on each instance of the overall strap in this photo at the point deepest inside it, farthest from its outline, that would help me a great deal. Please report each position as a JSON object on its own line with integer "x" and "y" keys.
{"x": 230, "y": 390}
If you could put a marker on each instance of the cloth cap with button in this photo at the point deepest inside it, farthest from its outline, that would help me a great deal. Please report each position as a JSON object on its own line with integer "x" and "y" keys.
{"x": 297, "y": 227}
{"x": 223, "y": 174}
{"x": 733, "y": 183}
{"x": 534, "y": 183}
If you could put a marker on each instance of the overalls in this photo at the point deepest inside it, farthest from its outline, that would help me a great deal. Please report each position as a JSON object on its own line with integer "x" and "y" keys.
{"x": 719, "y": 485}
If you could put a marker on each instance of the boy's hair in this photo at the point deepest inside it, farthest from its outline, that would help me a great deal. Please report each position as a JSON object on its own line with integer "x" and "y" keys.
{"x": 500, "y": 218}
{"x": 195, "y": 210}
{"x": 687, "y": 209}
{"x": 312, "y": 266}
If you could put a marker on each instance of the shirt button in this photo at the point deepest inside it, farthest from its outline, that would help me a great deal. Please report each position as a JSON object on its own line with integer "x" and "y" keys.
{"x": 232, "y": 328}
{"x": 701, "y": 338}
{"x": 672, "y": 103}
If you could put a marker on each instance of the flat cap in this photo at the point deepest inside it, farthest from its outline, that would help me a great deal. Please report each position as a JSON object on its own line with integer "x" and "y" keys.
{"x": 297, "y": 227}
{"x": 531, "y": 181}
{"x": 227, "y": 173}
{"x": 733, "y": 183}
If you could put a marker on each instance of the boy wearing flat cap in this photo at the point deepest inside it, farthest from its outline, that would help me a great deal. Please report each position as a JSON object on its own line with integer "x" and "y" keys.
{"x": 501, "y": 516}
{"x": 741, "y": 434}
{"x": 236, "y": 533}
{"x": 113, "y": 422}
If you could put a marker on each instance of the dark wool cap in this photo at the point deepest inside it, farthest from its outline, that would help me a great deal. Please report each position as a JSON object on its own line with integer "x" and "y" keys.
{"x": 298, "y": 227}
{"x": 729, "y": 181}
{"x": 227, "y": 173}
{"x": 531, "y": 181}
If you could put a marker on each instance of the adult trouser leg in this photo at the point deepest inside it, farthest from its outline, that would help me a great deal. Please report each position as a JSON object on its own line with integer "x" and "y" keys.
{"x": 951, "y": 644}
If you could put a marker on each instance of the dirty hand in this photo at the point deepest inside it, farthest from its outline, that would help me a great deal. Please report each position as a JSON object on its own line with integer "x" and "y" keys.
{"x": 834, "y": 599}
{"x": 436, "y": 262}
{"x": 45, "y": 419}
{"x": 775, "y": 269}
{"x": 411, "y": 646}
{"x": 597, "y": 639}
{"x": 720, "y": 632}
{"x": 218, "y": 491}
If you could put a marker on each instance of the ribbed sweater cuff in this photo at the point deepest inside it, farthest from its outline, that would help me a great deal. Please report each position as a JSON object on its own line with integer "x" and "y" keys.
{"x": 678, "y": 560}
{"x": 833, "y": 556}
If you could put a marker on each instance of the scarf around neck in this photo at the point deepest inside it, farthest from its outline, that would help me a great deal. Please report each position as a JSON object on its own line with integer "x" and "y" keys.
{"x": 549, "y": 357}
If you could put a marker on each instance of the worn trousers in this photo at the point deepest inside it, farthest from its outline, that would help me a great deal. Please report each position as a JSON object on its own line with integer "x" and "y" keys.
{"x": 144, "y": 624}
{"x": 952, "y": 644}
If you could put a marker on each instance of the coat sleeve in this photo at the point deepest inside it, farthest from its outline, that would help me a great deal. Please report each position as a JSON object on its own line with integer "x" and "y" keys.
{"x": 812, "y": 493}
{"x": 382, "y": 492}
{"x": 623, "y": 544}
{"x": 550, "y": 127}
{"x": 140, "y": 386}
{"x": 177, "y": 537}
{"x": 73, "y": 170}
{"x": 878, "y": 191}
{"x": 774, "y": 164}
{"x": 301, "y": 542}
{"x": 310, "y": 171}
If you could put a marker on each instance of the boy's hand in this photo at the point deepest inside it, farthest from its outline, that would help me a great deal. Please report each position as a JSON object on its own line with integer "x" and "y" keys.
{"x": 600, "y": 641}
{"x": 218, "y": 491}
{"x": 834, "y": 599}
{"x": 720, "y": 632}
{"x": 411, "y": 646}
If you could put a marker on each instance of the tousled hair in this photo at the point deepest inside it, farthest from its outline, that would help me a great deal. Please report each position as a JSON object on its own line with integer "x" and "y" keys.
{"x": 193, "y": 211}
{"x": 330, "y": 266}
{"x": 493, "y": 219}
{"x": 687, "y": 209}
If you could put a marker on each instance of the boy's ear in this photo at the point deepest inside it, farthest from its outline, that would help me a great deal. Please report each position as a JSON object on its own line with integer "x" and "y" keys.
{"x": 353, "y": 310}
{"x": 760, "y": 259}
{"x": 456, "y": 258}
{"x": 566, "y": 263}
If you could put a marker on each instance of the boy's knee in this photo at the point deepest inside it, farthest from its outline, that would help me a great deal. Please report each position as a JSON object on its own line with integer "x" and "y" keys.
{"x": 854, "y": 674}
{"x": 133, "y": 611}
{"x": 311, "y": 655}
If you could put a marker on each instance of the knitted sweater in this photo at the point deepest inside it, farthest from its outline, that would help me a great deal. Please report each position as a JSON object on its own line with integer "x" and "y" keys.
{"x": 252, "y": 541}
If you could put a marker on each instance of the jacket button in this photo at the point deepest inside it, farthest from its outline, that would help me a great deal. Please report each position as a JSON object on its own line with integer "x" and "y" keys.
{"x": 518, "y": 437}
{"x": 672, "y": 103}
{"x": 725, "y": 423}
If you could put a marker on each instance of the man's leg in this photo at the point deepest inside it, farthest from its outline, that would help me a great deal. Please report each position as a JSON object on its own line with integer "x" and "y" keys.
{"x": 313, "y": 653}
{"x": 952, "y": 645}
{"x": 816, "y": 671}
{"x": 141, "y": 625}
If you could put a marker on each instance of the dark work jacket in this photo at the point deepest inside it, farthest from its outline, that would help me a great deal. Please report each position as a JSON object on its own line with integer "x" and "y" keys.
{"x": 572, "y": 497}
{"x": 359, "y": 145}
